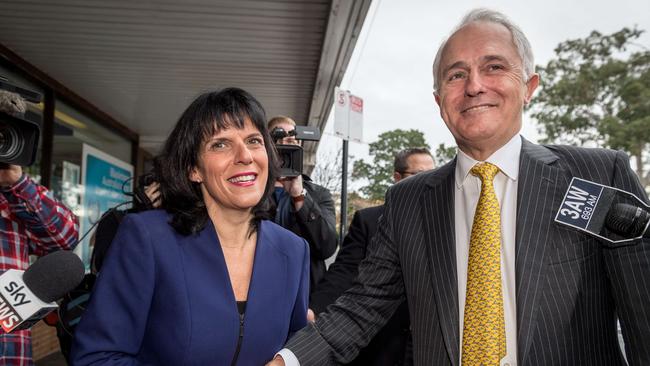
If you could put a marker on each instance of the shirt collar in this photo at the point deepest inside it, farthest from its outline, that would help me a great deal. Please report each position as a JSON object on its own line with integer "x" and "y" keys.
{"x": 506, "y": 158}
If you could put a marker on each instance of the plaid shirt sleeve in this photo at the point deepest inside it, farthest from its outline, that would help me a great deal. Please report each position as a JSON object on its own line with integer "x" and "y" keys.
{"x": 50, "y": 225}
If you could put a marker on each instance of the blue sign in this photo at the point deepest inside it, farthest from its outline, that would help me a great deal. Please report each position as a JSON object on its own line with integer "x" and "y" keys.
{"x": 105, "y": 180}
{"x": 579, "y": 203}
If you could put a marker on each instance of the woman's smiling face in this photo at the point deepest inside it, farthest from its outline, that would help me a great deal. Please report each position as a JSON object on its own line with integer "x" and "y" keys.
{"x": 233, "y": 168}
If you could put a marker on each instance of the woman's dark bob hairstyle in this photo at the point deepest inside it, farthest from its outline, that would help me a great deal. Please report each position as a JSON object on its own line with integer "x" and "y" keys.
{"x": 209, "y": 113}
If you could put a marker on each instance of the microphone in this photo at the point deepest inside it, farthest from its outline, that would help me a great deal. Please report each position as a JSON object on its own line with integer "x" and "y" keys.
{"x": 615, "y": 216}
{"x": 628, "y": 220}
{"x": 27, "y": 296}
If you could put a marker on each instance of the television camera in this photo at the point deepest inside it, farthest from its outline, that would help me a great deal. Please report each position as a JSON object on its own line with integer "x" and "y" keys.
{"x": 290, "y": 156}
{"x": 19, "y": 132}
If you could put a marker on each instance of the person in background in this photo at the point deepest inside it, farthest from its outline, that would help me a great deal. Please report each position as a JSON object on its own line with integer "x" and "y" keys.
{"x": 72, "y": 306}
{"x": 391, "y": 345}
{"x": 32, "y": 222}
{"x": 305, "y": 208}
{"x": 206, "y": 280}
{"x": 490, "y": 277}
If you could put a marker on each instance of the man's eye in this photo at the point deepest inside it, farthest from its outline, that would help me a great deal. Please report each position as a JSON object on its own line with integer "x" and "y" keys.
{"x": 455, "y": 76}
{"x": 495, "y": 67}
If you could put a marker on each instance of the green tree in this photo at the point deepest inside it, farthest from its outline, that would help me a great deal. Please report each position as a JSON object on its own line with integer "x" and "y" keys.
{"x": 380, "y": 172}
{"x": 597, "y": 90}
{"x": 443, "y": 154}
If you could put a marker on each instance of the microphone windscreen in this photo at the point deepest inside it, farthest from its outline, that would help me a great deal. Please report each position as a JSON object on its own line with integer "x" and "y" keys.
{"x": 626, "y": 219}
{"x": 54, "y": 275}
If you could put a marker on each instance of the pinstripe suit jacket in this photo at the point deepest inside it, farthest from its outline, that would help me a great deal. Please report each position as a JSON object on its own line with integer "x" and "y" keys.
{"x": 570, "y": 288}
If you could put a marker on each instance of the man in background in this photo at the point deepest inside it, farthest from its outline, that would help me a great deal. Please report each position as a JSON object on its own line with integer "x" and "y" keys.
{"x": 305, "y": 208}
{"x": 31, "y": 223}
{"x": 391, "y": 346}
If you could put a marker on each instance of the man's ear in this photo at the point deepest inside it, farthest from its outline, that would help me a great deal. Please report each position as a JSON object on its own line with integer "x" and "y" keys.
{"x": 531, "y": 85}
{"x": 397, "y": 177}
{"x": 436, "y": 96}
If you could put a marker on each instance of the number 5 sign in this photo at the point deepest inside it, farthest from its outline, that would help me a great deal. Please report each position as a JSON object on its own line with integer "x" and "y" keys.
{"x": 348, "y": 115}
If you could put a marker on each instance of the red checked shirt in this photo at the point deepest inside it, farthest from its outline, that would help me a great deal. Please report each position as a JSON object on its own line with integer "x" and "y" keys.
{"x": 31, "y": 223}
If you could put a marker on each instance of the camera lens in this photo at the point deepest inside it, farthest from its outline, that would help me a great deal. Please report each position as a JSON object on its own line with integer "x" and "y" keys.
{"x": 10, "y": 142}
{"x": 285, "y": 160}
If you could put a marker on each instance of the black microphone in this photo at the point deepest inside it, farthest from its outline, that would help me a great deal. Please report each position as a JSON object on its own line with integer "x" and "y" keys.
{"x": 615, "y": 216}
{"x": 628, "y": 220}
{"x": 28, "y": 296}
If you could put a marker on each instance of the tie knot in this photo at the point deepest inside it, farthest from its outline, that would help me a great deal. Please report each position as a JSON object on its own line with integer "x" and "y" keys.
{"x": 485, "y": 171}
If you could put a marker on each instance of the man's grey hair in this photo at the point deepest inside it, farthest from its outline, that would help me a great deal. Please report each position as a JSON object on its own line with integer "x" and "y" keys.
{"x": 486, "y": 15}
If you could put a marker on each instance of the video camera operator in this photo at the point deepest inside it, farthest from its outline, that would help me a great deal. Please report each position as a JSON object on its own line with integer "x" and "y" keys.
{"x": 31, "y": 221}
{"x": 304, "y": 207}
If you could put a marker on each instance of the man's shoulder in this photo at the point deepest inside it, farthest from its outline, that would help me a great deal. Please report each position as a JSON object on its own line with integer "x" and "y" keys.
{"x": 585, "y": 158}
{"x": 370, "y": 213}
{"x": 572, "y": 152}
{"x": 318, "y": 192}
{"x": 310, "y": 185}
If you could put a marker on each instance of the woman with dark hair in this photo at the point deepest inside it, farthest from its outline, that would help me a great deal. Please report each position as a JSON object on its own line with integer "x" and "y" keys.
{"x": 208, "y": 280}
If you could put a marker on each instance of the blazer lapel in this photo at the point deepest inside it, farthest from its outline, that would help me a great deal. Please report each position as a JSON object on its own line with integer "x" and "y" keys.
{"x": 540, "y": 189}
{"x": 438, "y": 208}
{"x": 269, "y": 279}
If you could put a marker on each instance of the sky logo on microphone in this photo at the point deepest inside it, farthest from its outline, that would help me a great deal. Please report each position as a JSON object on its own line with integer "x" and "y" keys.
{"x": 19, "y": 307}
{"x": 9, "y": 317}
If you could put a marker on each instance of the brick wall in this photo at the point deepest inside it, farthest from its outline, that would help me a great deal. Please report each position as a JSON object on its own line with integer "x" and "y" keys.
{"x": 44, "y": 340}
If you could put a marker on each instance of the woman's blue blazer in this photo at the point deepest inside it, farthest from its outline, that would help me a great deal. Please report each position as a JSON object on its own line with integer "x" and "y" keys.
{"x": 163, "y": 298}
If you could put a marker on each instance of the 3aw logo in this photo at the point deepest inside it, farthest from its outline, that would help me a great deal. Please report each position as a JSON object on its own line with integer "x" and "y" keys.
{"x": 579, "y": 203}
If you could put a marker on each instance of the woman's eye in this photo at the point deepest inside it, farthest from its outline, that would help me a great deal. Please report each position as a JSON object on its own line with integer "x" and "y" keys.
{"x": 218, "y": 145}
{"x": 256, "y": 141}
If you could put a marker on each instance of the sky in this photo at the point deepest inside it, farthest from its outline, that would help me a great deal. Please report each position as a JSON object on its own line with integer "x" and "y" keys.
{"x": 391, "y": 65}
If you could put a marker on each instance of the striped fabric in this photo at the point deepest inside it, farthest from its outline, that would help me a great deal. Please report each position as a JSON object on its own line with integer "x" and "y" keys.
{"x": 570, "y": 289}
{"x": 31, "y": 223}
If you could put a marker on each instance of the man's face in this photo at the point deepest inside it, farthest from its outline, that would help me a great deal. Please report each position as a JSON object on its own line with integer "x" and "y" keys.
{"x": 482, "y": 93}
{"x": 289, "y": 140}
{"x": 415, "y": 163}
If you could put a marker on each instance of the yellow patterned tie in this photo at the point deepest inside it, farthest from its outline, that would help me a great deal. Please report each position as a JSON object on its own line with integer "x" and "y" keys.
{"x": 484, "y": 335}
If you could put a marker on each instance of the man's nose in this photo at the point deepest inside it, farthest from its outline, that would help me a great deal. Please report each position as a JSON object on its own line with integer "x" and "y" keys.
{"x": 474, "y": 84}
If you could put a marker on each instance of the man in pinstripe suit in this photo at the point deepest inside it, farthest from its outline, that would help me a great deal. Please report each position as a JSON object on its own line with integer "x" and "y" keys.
{"x": 562, "y": 290}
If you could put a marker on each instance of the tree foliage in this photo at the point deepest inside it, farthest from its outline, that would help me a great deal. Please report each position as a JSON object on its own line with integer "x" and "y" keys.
{"x": 443, "y": 154}
{"x": 379, "y": 173}
{"x": 597, "y": 90}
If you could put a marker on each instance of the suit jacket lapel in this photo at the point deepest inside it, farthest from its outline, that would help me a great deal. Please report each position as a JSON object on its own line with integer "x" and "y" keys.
{"x": 270, "y": 276}
{"x": 540, "y": 189}
{"x": 438, "y": 208}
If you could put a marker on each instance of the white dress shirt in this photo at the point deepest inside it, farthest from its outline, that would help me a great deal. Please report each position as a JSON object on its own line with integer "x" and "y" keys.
{"x": 466, "y": 194}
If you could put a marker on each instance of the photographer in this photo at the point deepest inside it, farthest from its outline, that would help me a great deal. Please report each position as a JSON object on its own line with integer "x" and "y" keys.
{"x": 305, "y": 208}
{"x": 31, "y": 223}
